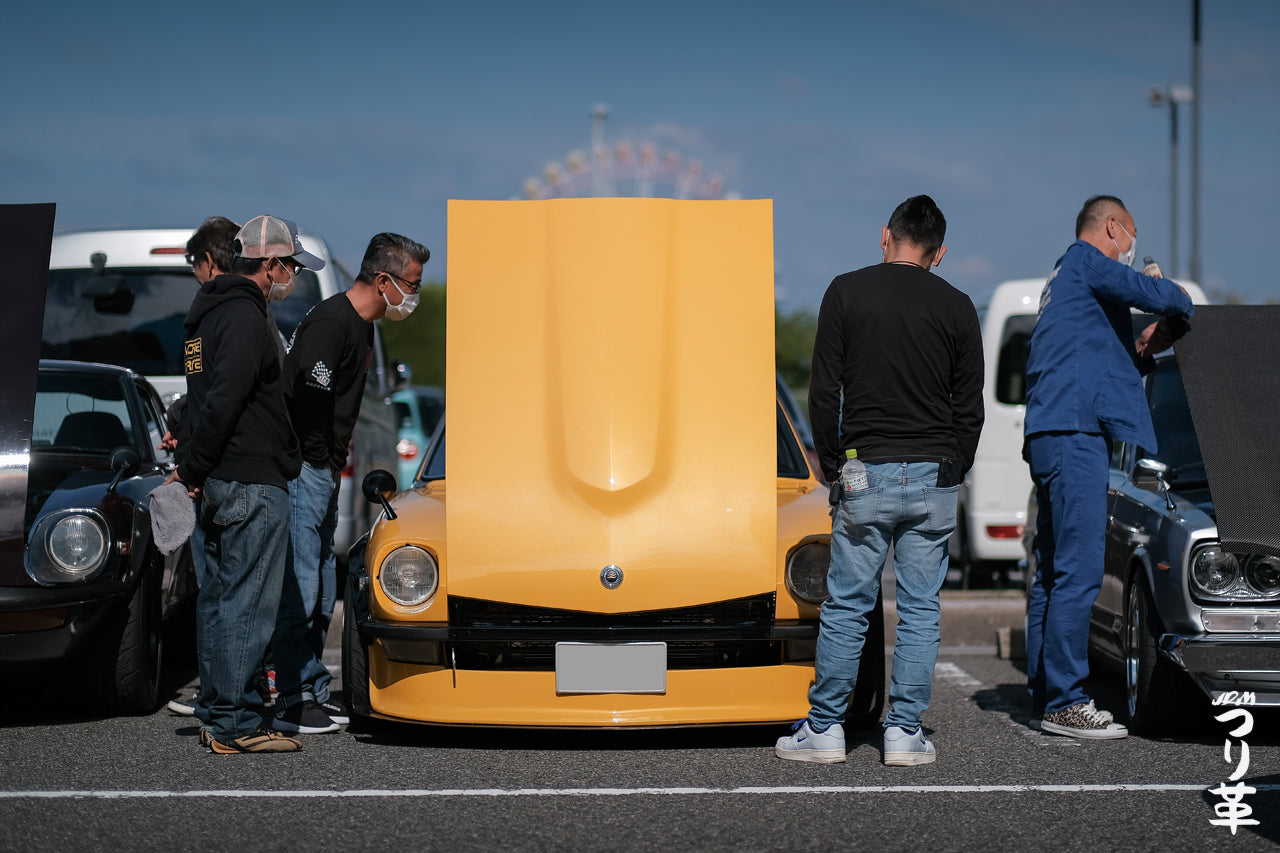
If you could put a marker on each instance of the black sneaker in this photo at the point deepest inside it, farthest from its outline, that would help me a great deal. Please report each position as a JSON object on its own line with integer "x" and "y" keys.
{"x": 308, "y": 718}
{"x": 262, "y": 740}
{"x": 336, "y": 712}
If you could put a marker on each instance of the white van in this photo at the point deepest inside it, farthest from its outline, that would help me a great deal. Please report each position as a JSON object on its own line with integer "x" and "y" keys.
{"x": 993, "y": 498}
{"x": 120, "y": 297}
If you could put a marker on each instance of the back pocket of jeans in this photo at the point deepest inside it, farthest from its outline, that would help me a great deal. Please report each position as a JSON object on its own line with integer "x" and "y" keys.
{"x": 940, "y": 502}
{"x": 234, "y": 506}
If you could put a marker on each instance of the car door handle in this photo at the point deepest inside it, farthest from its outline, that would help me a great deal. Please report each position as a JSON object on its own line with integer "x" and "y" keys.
{"x": 1126, "y": 533}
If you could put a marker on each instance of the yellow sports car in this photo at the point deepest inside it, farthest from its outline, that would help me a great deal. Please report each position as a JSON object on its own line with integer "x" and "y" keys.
{"x": 614, "y": 544}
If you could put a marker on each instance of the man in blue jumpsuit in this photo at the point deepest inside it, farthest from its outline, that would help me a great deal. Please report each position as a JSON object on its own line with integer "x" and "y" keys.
{"x": 1084, "y": 389}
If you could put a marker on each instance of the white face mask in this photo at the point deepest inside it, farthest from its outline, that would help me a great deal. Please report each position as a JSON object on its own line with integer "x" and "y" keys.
{"x": 1127, "y": 258}
{"x": 280, "y": 290}
{"x": 406, "y": 306}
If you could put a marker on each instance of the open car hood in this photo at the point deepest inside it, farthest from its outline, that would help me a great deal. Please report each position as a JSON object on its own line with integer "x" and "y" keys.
{"x": 1230, "y": 365}
{"x": 611, "y": 401}
{"x": 26, "y": 233}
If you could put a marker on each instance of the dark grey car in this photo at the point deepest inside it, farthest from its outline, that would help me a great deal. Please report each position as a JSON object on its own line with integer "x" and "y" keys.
{"x": 1183, "y": 617}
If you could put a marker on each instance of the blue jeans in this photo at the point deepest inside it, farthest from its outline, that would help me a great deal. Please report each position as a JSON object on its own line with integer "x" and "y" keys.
{"x": 245, "y": 541}
{"x": 1070, "y": 470}
{"x": 904, "y": 506}
{"x": 310, "y": 589}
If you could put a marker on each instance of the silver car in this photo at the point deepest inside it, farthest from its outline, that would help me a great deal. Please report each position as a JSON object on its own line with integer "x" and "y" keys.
{"x": 1185, "y": 619}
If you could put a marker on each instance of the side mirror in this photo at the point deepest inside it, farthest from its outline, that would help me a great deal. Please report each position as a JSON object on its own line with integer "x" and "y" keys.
{"x": 125, "y": 462}
{"x": 376, "y": 486}
{"x": 1149, "y": 474}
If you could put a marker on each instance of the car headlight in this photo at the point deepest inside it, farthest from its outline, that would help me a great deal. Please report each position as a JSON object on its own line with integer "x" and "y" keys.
{"x": 807, "y": 572}
{"x": 1215, "y": 571}
{"x": 409, "y": 576}
{"x": 68, "y": 546}
{"x": 1262, "y": 573}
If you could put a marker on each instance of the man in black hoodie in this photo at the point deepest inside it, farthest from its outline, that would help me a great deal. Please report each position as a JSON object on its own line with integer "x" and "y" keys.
{"x": 240, "y": 457}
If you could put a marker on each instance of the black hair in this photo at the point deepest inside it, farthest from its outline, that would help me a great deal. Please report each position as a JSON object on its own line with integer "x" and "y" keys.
{"x": 919, "y": 222}
{"x": 1094, "y": 211}
{"x": 216, "y": 236}
{"x": 390, "y": 253}
{"x": 245, "y": 266}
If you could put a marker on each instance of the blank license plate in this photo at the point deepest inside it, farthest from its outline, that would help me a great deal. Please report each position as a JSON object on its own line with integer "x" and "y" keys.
{"x": 611, "y": 667}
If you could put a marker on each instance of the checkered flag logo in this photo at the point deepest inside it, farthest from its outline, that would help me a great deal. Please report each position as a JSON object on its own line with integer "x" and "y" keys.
{"x": 320, "y": 373}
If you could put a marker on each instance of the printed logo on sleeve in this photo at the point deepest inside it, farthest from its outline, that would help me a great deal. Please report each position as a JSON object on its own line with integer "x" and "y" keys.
{"x": 194, "y": 355}
{"x": 321, "y": 374}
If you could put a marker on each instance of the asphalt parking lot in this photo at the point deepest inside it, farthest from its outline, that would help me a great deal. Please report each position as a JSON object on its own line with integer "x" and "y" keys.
{"x": 143, "y": 783}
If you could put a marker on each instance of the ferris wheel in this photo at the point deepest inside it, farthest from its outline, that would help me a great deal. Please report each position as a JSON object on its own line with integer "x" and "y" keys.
{"x": 624, "y": 169}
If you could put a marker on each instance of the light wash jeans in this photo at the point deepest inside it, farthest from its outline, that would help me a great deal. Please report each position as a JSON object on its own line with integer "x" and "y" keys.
{"x": 1071, "y": 474}
{"x": 310, "y": 589}
{"x": 246, "y": 537}
{"x": 902, "y": 505}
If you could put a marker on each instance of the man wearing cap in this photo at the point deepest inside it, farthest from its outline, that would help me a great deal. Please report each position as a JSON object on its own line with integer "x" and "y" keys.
{"x": 241, "y": 455}
{"x": 325, "y": 375}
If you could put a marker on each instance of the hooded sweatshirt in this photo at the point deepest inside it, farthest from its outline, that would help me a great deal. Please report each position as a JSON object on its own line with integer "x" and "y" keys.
{"x": 239, "y": 424}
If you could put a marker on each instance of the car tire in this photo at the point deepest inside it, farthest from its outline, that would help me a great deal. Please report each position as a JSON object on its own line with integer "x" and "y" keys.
{"x": 355, "y": 667}
{"x": 1161, "y": 697}
{"x": 123, "y": 663}
{"x": 867, "y": 701}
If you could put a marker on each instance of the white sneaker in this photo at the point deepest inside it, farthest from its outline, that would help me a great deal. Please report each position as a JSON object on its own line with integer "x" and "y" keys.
{"x": 1083, "y": 720}
{"x": 905, "y": 748}
{"x": 807, "y": 745}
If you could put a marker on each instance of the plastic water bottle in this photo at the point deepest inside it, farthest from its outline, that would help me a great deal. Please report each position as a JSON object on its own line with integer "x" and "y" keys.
{"x": 853, "y": 476}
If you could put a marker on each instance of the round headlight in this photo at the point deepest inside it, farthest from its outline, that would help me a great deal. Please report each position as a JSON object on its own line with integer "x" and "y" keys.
{"x": 807, "y": 572}
{"x": 1263, "y": 574}
{"x": 68, "y": 546}
{"x": 1215, "y": 571}
{"x": 409, "y": 576}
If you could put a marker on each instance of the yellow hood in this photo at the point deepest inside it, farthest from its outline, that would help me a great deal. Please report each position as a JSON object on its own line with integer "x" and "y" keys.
{"x": 611, "y": 401}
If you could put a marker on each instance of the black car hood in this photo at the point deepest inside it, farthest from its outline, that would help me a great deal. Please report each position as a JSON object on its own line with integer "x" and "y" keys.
{"x": 26, "y": 234}
{"x": 1230, "y": 365}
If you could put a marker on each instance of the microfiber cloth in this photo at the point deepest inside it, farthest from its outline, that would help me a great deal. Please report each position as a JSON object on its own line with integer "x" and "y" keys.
{"x": 173, "y": 516}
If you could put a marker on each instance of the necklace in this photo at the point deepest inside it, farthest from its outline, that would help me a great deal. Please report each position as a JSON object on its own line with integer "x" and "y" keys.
{"x": 908, "y": 263}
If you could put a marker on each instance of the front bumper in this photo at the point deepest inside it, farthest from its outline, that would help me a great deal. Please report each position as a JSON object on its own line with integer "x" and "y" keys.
{"x": 41, "y": 626}
{"x": 1222, "y": 665}
{"x": 506, "y": 675}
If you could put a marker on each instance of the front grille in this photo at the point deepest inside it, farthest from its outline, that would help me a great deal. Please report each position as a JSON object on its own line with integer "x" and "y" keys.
{"x": 494, "y": 635}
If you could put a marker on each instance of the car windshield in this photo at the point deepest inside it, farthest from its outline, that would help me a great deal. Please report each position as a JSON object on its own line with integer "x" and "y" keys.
{"x": 81, "y": 413}
{"x": 133, "y": 317}
{"x": 1179, "y": 448}
{"x": 430, "y": 409}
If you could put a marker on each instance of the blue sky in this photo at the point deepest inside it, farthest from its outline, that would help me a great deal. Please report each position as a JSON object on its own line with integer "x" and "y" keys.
{"x": 355, "y": 118}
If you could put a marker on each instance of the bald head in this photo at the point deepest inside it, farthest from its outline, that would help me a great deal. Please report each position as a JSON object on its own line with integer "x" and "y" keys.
{"x": 1106, "y": 224}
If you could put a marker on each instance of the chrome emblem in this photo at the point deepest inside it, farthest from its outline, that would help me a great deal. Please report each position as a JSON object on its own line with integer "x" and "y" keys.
{"x": 611, "y": 577}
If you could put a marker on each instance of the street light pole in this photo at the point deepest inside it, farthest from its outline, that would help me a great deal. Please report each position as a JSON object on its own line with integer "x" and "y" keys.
{"x": 1171, "y": 97}
{"x": 1195, "y": 142}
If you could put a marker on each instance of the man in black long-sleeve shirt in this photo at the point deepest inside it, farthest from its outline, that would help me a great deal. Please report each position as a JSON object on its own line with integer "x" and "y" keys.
{"x": 325, "y": 372}
{"x": 897, "y": 377}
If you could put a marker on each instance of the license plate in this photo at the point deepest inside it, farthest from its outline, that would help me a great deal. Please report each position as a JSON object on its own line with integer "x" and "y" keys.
{"x": 611, "y": 667}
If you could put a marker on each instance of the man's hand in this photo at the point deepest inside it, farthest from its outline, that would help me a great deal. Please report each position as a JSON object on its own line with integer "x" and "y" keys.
{"x": 193, "y": 492}
{"x": 169, "y": 443}
{"x": 1154, "y": 338}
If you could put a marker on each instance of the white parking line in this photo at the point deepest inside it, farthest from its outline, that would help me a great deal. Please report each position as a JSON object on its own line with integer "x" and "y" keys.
{"x": 620, "y": 792}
